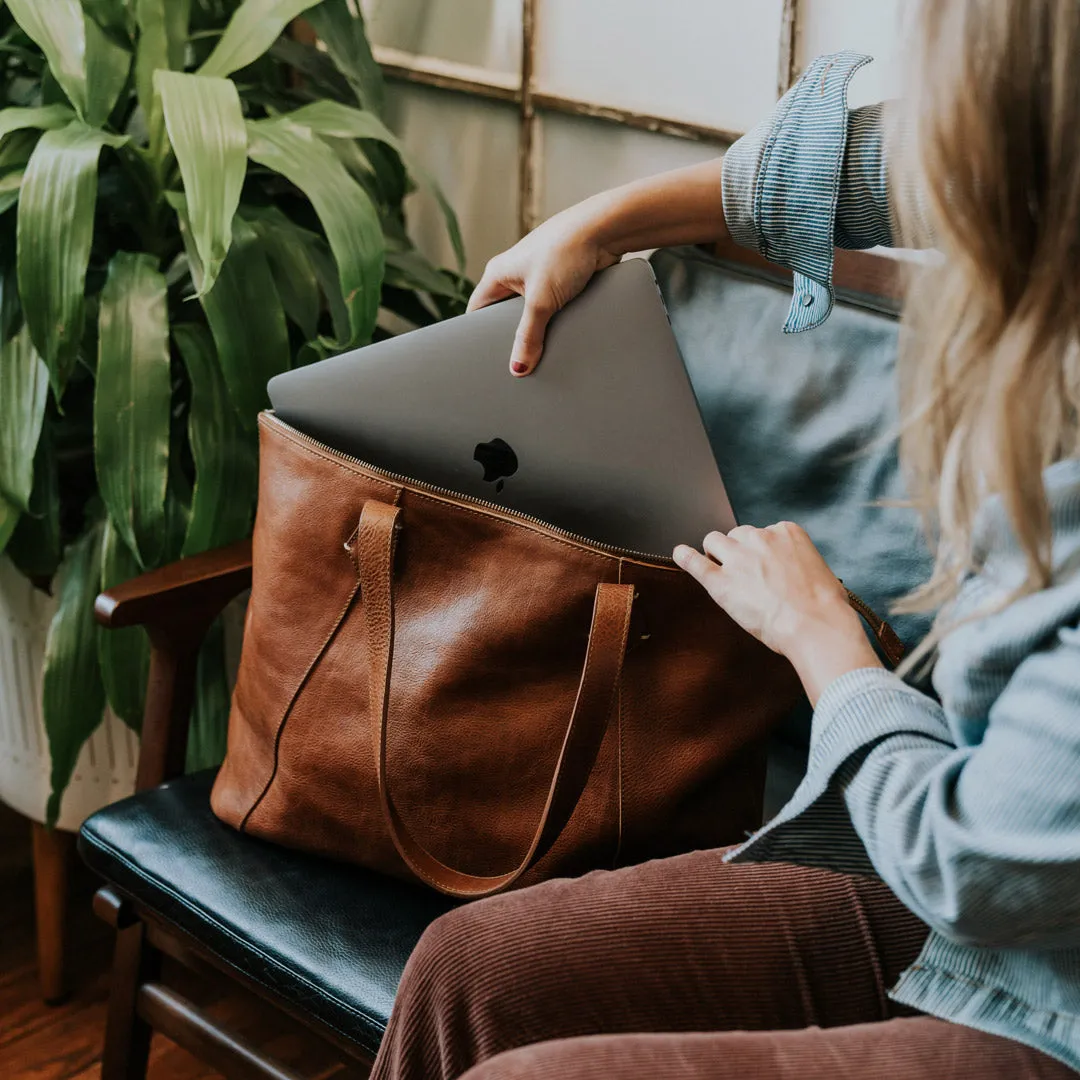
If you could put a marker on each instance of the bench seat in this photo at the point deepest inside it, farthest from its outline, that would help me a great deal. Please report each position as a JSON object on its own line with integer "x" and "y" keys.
{"x": 328, "y": 938}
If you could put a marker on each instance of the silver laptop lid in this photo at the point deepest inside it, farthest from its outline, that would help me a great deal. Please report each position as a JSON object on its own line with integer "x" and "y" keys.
{"x": 603, "y": 440}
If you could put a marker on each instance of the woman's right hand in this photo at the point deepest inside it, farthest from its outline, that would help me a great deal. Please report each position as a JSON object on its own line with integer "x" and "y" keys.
{"x": 549, "y": 267}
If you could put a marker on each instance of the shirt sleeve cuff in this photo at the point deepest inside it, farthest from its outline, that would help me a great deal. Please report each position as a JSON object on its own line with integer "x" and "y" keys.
{"x": 781, "y": 184}
{"x": 742, "y": 165}
{"x": 865, "y": 705}
{"x": 857, "y": 711}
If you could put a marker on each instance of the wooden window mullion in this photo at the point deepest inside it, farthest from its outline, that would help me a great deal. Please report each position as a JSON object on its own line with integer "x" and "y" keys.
{"x": 789, "y": 28}
{"x": 528, "y": 145}
{"x": 531, "y": 102}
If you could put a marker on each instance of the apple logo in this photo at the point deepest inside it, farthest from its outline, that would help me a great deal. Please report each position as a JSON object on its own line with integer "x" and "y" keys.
{"x": 498, "y": 459}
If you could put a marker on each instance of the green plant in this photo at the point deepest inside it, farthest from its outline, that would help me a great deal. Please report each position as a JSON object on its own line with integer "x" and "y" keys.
{"x": 191, "y": 201}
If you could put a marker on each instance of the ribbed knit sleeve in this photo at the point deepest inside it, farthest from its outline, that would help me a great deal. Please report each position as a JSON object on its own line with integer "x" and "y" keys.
{"x": 982, "y": 842}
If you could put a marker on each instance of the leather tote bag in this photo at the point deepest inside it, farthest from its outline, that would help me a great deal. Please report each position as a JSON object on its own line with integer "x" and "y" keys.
{"x": 436, "y": 687}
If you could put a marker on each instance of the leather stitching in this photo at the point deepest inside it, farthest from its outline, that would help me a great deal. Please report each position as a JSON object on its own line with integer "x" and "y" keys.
{"x": 618, "y": 756}
{"x": 292, "y": 702}
{"x": 500, "y": 881}
{"x": 886, "y": 636}
{"x": 355, "y": 470}
{"x": 314, "y": 451}
{"x": 581, "y": 548}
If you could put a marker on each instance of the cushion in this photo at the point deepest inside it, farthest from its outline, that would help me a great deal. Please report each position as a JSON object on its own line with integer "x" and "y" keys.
{"x": 802, "y": 425}
{"x": 330, "y": 938}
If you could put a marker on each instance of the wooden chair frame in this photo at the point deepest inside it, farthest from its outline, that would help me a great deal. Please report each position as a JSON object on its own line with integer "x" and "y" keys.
{"x": 176, "y": 605}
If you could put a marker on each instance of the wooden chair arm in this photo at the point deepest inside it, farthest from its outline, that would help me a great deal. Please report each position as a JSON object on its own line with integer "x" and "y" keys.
{"x": 176, "y": 605}
{"x": 195, "y": 586}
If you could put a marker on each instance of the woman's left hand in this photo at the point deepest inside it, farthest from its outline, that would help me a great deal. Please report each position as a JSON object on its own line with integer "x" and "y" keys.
{"x": 774, "y": 583}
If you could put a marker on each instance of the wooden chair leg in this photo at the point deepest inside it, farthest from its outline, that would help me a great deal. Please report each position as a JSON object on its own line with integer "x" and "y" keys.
{"x": 127, "y": 1035}
{"x": 52, "y": 856}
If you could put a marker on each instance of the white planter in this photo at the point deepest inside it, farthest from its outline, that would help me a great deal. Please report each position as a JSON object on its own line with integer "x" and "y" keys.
{"x": 105, "y": 770}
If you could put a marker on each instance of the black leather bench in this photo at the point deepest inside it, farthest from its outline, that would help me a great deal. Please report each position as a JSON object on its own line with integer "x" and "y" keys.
{"x": 796, "y": 423}
{"x": 330, "y": 937}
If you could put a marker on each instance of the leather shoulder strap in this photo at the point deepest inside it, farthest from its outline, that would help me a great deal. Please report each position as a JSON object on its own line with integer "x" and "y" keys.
{"x": 886, "y": 636}
{"x": 374, "y": 552}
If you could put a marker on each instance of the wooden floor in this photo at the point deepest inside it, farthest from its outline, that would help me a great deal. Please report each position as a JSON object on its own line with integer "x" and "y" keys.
{"x": 42, "y": 1042}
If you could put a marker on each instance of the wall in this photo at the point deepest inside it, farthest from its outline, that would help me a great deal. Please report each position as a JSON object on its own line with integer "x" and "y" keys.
{"x": 713, "y": 62}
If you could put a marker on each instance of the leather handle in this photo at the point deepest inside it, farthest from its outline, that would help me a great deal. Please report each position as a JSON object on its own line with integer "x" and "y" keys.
{"x": 374, "y": 554}
{"x": 886, "y": 636}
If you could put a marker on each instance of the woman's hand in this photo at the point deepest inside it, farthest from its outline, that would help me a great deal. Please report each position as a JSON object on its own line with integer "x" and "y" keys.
{"x": 555, "y": 262}
{"x": 774, "y": 583}
{"x": 549, "y": 267}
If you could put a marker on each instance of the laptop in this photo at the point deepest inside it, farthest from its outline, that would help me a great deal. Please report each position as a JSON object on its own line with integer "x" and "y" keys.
{"x": 604, "y": 440}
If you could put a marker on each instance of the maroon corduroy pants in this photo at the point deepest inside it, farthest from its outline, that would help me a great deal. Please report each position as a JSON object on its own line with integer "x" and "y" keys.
{"x": 682, "y": 968}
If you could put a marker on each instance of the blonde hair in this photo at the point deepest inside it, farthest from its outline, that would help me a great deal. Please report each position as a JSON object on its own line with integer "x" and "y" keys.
{"x": 989, "y": 364}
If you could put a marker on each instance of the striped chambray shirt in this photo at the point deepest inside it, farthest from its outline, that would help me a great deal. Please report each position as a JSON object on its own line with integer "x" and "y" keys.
{"x": 968, "y": 809}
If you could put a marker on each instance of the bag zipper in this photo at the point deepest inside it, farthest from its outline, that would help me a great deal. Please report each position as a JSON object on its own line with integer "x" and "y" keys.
{"x": 400, "y": 478}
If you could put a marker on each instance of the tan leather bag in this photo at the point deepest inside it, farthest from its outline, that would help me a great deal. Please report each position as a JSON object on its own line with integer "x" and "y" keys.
{"x": 435, "y": 687}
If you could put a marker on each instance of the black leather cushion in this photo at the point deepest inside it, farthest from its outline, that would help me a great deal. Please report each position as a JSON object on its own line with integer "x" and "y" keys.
{"x": 331, "y": 938}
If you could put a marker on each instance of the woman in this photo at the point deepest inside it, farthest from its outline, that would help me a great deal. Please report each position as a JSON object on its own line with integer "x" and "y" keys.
{"x": 915, "y": 910}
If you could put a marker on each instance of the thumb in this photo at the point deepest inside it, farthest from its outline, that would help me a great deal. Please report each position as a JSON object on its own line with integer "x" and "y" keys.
{"x": 490, "y": 290}
{"x": 529, "y": 340}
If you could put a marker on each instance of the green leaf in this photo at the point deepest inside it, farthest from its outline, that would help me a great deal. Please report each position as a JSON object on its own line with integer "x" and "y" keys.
{"x": 110, "y": 14}
{"x": 331, "y": 118}
{"x": 9, "y": 519}
{"x": 16, "y": 151}
{"x": 210, "y": 711}
{"x": 151, "y": 55}
{"x": 178, "y": 495}
{"x": 123, "y": 655}
{"x": 14, "y": 155}
{"x": 107, "y": 67}
{"x": 344, "y": 36}
{"x": 347, "y": 213}
{"x": 73, "y": 698}
{"x": 55, "y": 231}
{"x": 58, "y": 28}
{"x": 344, "y": 122}
{"x": 410, "y": 270}
{"x": 327, "y": 272}
{"x": 178, "y": 19}
{"x": 226, "y": 462}
{"x": 321, "y": 75}
{"x": 90, "y": 68}
{"x": 206, "y": 129}
{"x": 408, "y": 305}
{"x": 34, "y": 547}
{"x": 245, "y": 317}
{"x": 163, "y": 26}
{"x": 9, "y": 301}
{"x": 131, "y": 402}
{"x": 177, "y": 516}
{"x": 10, "y": 186}
{"x": 288, "y": 247}
{"x": 18, "y": 147}
{"x": 24, "y": 387}
{"x": 254, "y": 27}
{"x": 44, "y": 118}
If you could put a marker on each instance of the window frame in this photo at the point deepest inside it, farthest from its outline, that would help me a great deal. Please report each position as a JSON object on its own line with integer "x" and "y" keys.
{"x": 531, "y": 102}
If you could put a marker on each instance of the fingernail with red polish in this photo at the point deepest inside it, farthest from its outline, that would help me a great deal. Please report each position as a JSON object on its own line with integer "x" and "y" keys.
{"x": 518, "y": 368}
